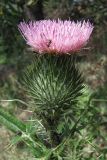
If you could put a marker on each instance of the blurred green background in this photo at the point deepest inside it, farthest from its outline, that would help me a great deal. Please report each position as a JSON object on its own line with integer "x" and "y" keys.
{"x": 14, "y": 55}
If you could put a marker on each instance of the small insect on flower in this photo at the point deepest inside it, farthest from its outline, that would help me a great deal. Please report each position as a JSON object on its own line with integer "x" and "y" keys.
{"x": 56, "y": 36}
{"x": 49, "y": 43}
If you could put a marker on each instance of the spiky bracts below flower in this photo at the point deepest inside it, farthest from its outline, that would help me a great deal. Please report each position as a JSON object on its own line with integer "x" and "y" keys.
{"x": 54, "y": 84}
{"x": 56, "y": 36}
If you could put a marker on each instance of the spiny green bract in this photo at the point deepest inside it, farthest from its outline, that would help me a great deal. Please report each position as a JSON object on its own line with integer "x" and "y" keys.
{"x": 54, "y": 84}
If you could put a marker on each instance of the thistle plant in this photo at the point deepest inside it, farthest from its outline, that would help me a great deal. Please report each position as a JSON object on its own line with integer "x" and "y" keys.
{"x": 54, "y": 85}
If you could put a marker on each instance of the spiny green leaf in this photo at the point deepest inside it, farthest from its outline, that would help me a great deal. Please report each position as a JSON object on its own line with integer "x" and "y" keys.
{"x": 11, "y": 122}
{"x": 18, "y": 127}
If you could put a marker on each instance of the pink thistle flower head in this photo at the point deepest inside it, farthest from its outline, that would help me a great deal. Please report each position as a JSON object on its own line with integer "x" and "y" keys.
{"x": 56, "y": 36}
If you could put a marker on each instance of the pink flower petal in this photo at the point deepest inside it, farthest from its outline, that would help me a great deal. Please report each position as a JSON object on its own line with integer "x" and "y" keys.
{"x": 56, "y": 36}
